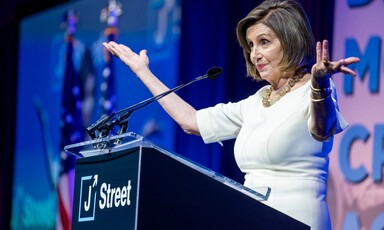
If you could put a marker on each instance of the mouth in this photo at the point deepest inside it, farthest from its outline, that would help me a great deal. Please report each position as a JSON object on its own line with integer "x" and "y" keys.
{"x": 260, "y": 66}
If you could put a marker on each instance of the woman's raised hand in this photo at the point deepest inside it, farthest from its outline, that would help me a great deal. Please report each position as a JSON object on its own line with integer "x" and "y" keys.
{"x": 137, "y": 62}
{"x": 324, "y": 68}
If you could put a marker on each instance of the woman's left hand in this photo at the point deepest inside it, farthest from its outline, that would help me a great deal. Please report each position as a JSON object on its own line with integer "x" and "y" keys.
{"x": 324, "y": 68}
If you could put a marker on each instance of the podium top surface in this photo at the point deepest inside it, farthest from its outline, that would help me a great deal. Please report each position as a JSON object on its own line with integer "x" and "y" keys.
{"x": 105, "y": 145}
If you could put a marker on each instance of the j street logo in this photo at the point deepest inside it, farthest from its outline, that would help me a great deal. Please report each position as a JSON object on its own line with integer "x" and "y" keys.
{"x": 94, "y": 197}
{"x": 86, "y": 211}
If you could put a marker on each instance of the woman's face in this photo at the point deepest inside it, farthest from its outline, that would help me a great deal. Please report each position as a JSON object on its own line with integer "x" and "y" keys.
{"x": 266, "y": 51}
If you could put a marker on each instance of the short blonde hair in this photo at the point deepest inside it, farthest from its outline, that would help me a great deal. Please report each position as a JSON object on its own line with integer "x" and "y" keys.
{"x": 288, "y": 21}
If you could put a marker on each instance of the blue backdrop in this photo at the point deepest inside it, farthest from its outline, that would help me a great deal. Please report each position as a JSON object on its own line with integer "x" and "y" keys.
{"x": 153, "y": 25}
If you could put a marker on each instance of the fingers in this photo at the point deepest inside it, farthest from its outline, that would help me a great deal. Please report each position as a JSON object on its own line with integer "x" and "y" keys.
{"x": 137, "y": 62}
{"x": 112, "y": 47}
{"x": 341, "y": 65}
{"x": 121, "y": 51}
{"x": 351, "y": 60}
{"x": 322, "y": 53}
{"x": 318, "y": 52}
{"x": 347, "y": 70}
{"x": 325, "y": 52}
{"x": 345, "y": 62}
{"x": 143, "y": 53}
{"x": 125, "y": 48}
{"x": 325, "y": 67}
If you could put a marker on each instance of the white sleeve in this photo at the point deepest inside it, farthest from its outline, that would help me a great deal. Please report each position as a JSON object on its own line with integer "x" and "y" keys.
{"x": 219, "y": 123}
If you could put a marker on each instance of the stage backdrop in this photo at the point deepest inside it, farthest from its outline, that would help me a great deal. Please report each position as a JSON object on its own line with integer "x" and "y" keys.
{"x": 356, "y": 190}
{"x": 153, "y": 25}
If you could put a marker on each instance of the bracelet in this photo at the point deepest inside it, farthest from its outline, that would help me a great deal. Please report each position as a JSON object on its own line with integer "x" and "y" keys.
{"x": 323, "y": 91}
{"x": 320, "y": 99}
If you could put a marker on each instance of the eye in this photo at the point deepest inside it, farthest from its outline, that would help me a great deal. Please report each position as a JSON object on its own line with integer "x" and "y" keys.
{"x": 264, "y": 42}
{"x": 250, "y": 44}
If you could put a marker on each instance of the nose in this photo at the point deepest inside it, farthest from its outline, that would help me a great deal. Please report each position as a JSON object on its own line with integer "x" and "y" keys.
{"x": 255, "y": 55}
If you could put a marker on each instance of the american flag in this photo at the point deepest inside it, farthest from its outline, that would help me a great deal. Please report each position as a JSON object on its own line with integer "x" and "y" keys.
{"x": 110, "y": 15}
{"x": 107, "y": 87}
{"x": 72, "y": 127}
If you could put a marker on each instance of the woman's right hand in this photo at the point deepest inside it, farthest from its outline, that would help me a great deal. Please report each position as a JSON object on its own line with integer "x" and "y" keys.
{"x": 139, "y": 63}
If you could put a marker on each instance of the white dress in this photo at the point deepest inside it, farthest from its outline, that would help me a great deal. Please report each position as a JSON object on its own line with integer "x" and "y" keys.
{"x": 274, "y": 148}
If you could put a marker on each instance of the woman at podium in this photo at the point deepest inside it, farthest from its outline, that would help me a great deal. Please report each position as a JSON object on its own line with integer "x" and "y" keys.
{"x": 284, "y": 132}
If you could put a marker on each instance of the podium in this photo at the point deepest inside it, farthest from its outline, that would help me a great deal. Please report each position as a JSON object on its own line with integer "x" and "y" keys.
{"x": 126, "y": 182}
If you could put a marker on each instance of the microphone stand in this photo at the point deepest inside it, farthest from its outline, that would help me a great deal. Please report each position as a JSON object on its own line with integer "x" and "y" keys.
{"x": 105, "y": 124}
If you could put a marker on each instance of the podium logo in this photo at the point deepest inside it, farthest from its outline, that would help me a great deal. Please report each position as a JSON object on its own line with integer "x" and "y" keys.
{"x": 110, "y": 197}
{"x": 87, "y": 206}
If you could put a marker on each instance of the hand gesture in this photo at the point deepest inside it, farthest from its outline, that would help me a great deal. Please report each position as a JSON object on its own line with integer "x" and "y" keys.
{"x": 137, "y": 62}
{"x": 324, "y": 68}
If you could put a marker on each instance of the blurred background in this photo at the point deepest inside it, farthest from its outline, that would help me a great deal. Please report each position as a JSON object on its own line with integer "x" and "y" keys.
{"x": 45, "y": 43}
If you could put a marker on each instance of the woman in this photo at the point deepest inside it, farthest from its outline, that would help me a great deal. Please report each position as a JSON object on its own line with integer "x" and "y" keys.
{"x": 284, "y": 131}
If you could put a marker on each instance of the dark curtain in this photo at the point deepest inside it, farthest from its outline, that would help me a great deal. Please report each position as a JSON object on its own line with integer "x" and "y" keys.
{"x": 208, "y": 39}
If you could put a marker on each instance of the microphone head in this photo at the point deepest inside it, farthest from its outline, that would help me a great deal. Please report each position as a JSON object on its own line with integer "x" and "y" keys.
{"x": 214, "y": 72}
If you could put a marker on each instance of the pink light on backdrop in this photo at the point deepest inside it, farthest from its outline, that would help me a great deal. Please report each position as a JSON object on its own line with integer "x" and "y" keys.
{"x": 359, "y": 203}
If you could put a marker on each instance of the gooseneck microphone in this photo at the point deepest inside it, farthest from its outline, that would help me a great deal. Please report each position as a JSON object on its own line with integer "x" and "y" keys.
{"x": 104, "y": 125}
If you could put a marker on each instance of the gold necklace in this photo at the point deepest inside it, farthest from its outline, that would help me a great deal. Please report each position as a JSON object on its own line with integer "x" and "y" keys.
{"x": 267, "y": 102}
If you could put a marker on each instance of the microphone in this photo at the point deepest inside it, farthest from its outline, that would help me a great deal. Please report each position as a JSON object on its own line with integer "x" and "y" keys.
{"x": 105, "y": 124}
